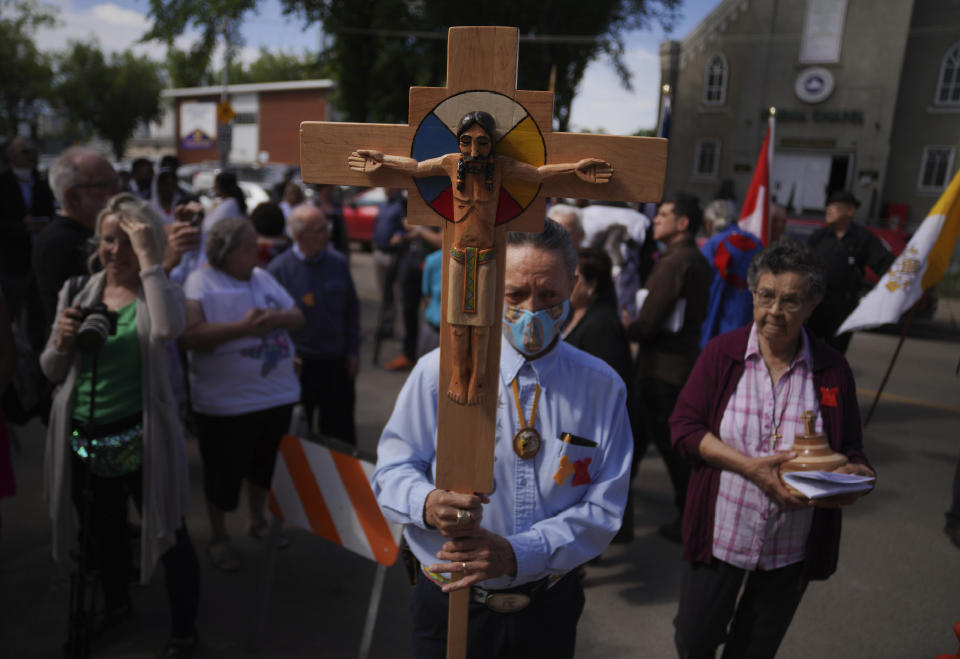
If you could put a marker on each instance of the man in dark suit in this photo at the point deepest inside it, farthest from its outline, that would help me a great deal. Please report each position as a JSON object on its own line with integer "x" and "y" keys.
{"x": 667, "y": 352}
{"x": 24, "y": 195}
{"x": 846, "y": 250}
{"x": 82, "y": 181}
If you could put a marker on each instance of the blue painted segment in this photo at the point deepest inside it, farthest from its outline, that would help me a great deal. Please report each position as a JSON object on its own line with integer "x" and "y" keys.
{"x": 431, "y": 187}
{"x": 432, "y": 139}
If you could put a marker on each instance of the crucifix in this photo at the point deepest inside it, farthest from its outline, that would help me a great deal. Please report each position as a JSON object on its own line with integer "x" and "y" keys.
{"x": 478, "y": 158}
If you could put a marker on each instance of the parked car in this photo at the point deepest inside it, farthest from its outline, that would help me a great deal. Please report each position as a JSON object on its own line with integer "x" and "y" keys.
{"x": 360, "y": 210}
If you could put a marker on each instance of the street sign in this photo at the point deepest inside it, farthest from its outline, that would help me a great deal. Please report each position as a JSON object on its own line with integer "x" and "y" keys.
{"x": 225, "y": 113}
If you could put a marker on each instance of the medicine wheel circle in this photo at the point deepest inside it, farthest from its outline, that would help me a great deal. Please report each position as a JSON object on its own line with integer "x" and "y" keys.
{"x": 518, "y": 137}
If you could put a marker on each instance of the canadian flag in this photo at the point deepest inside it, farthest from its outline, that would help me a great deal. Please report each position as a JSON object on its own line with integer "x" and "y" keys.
{"x": 755, "y": 215}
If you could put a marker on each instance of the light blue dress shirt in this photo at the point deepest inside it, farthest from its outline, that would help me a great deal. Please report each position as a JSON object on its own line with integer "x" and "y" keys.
{"x": 553, "y": 528}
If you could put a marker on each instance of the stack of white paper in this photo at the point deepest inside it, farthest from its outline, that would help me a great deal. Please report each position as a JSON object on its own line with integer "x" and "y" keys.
{"x": 674, "y": 322}
{"x": 819, "y": 484}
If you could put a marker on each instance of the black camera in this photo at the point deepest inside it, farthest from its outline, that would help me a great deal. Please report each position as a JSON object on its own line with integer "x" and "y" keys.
{"x": 97, "y": 324}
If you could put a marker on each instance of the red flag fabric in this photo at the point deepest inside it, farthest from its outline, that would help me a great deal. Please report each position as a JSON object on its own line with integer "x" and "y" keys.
{"x": 755, "y": 215}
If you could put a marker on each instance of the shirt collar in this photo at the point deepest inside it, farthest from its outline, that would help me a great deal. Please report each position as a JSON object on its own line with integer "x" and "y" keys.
{"x": 803, "y": 355}
{"x": 511, "y": 361}
{"x": 303, "y": 257}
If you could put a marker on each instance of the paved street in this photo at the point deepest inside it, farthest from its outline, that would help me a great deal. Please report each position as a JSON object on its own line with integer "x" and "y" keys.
{"x": 896, "y": 593}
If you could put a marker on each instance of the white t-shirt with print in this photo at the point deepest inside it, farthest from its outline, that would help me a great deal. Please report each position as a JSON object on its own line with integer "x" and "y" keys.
{"x": 247, "y": 374}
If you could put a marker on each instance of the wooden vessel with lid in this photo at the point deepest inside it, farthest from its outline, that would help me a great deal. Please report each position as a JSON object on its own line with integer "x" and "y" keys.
{"x": 813, "y": 452}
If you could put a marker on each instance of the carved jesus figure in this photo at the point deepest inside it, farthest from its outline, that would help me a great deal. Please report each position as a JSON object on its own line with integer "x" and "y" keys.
{"x": 476, "y": 174}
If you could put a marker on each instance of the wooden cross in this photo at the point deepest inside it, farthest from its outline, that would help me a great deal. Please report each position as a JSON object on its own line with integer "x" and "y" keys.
{"x": 481, "y": 75}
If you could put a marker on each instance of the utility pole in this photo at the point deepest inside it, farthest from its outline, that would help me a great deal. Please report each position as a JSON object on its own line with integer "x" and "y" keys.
{"x": 224, "y": 120}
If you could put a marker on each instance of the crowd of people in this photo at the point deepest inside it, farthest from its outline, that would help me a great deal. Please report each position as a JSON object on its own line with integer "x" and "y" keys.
{"x": 151, "y": 314}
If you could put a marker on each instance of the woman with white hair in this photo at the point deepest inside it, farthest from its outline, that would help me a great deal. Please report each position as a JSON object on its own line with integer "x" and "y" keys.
{"x": 242, "y": 382}
{"x": 718, "y": 215}
{"x": 114, "y": 431}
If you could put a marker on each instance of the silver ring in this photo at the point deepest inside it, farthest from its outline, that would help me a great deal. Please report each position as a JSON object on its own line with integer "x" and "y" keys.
{"x": 463, "y": 567}
{"x": 464, "y": 517}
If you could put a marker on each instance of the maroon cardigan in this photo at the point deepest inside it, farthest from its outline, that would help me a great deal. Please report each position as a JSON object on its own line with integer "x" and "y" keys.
{"x": 700, "y": 407}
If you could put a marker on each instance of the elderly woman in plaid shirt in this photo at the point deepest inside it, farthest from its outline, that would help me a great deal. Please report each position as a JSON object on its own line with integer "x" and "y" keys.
{"x": 735, "y": 420}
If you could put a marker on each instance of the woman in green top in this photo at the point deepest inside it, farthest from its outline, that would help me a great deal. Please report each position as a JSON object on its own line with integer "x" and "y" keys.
{"x": 131, "y": 446}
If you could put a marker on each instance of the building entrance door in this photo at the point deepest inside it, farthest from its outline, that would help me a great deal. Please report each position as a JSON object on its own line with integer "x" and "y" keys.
{"x": 802, "y": 181}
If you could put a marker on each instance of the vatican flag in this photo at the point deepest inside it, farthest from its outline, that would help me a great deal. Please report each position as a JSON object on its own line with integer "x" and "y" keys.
{"x": 921, "y": 265}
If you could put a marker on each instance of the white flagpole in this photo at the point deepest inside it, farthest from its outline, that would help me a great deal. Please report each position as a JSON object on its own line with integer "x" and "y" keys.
{"x": 771, "y": 126}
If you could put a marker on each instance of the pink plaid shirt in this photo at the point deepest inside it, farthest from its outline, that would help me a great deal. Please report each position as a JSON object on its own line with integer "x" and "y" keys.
{"x": 750, "y": 530}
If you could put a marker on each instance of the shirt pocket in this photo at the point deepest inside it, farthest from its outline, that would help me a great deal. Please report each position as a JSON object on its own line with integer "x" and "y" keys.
{"x": 569, "y": 471}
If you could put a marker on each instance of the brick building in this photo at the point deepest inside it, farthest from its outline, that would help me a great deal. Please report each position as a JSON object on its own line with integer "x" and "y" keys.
{"x": 266, "y": 128}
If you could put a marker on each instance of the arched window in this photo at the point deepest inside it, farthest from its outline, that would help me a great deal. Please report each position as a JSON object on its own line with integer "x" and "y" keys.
{"x": 715, "y": 81}
{"x": 706, "y": 159}
{"x": 948, "y": 85}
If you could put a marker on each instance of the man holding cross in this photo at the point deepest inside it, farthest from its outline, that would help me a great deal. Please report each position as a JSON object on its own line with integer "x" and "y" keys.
{"x": 476, "y": 174}
{"x": 561, "y": 473}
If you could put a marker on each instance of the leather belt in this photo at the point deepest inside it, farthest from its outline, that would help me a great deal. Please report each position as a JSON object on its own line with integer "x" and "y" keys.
{"x": 500, "y": 601}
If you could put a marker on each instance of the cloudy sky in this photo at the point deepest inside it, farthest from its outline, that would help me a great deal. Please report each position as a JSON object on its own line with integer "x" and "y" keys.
{"x": 601, "y": 102}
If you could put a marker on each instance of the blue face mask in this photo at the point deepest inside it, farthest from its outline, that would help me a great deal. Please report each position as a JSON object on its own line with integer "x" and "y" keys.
{"x": 530, "y": 332}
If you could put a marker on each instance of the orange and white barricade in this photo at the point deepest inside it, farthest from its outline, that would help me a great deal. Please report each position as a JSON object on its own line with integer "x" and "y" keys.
{"x": 327, "y": 493}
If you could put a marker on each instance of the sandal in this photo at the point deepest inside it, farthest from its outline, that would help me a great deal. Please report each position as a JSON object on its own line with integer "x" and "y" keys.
{"x": 261, "y": 531}
{"x": 224, "y": 556}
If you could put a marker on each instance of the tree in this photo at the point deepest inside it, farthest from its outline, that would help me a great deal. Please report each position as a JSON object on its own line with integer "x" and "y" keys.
{"x": 558, "y": 40}
{"x": 109, "y": 97}
{"x": 212, "y": 18}
{"x": 591, "y": 28}
{"x": 25, "y": 73}
{"x": 189, "y": 68}
{"x": 378, "y": 49}
{"x": 275, "y": 67}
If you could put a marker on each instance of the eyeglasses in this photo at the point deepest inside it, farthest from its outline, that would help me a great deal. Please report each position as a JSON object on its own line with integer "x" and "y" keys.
{"x": 319, "y": 231}
{"x": 788, "y": 303}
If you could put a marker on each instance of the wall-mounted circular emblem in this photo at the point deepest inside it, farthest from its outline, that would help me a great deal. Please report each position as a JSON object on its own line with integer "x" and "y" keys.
{"x": 518, "y": 137}
{"x": 814, "y": 85}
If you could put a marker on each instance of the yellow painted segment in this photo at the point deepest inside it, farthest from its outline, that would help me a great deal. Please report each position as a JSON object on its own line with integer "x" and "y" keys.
{"x": 523, "y": 143}
{"x": 523, "y": 193}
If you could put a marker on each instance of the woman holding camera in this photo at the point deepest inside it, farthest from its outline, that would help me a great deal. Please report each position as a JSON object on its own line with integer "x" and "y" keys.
{"x": 114, "y": 430}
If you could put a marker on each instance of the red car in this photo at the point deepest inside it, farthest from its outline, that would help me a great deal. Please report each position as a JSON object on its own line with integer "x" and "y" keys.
{"x": 360, "y": 214}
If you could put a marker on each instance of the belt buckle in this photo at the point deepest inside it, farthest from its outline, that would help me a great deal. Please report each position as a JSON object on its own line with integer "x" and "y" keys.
{"x": 501, "y": 602}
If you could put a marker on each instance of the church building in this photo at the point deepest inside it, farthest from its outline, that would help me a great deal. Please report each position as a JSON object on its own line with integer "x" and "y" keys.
{"x": 867, "y": 98}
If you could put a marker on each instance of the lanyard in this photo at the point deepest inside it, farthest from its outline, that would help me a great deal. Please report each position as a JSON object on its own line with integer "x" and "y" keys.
{"x": 526, "y": 443}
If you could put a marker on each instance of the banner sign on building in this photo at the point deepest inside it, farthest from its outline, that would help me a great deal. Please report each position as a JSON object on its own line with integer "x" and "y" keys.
{"x": 198, "y": 125}
{"x": 822, "y": 31}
